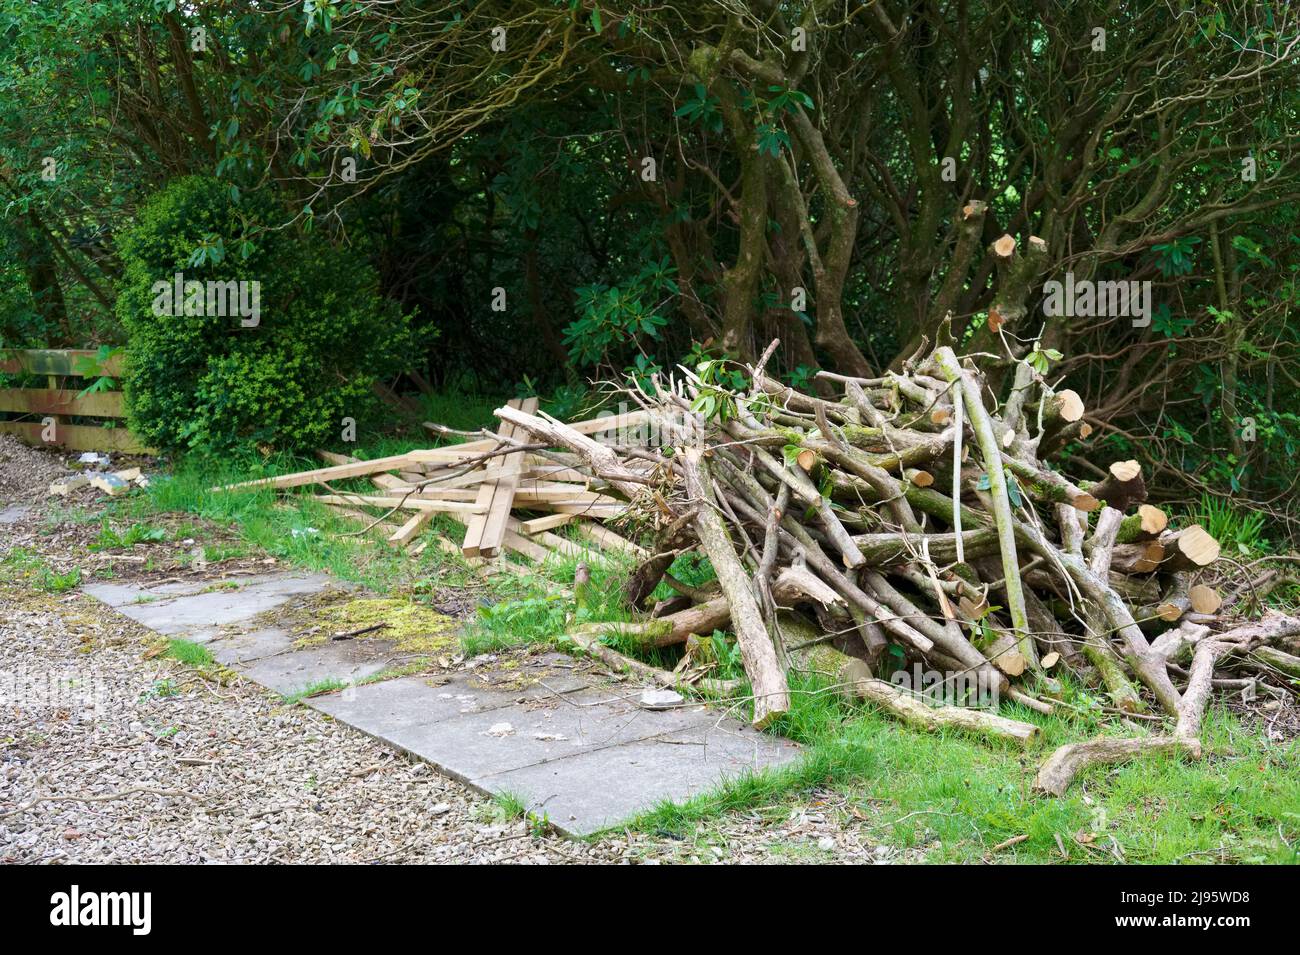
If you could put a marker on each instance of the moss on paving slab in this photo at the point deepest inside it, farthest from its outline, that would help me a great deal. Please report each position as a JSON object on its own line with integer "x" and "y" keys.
{"x": 412, "y": 626}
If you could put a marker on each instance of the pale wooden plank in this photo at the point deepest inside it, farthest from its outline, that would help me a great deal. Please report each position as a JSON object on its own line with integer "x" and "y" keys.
{"x": 385, "y": 482}
{"x": 536, "y": 525}
{"x": 416, "y": 523}
{"x": 484, "y": 537}
{"x": 77, "y": 437}
{"x": 631, "y": 419}
{"x": 522, "y": 497}
{"x": 334, "y": 473}
{"x": 571, "y": 548}
{"x": 503, "y": 497}
{"x": 604, "y": 537}
{"x": 587, "y": 426}
{"x": 473, "y": 543}
{"x": 410, "y": 503}
{"x": 581, "y": 509}
{"x": 514, "y": 541}
{"x": 62, "y": 401}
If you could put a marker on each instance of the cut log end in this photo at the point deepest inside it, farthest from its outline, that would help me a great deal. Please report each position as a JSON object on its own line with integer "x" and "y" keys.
{"x": 1005, "y": 247}
{"x": 1069, "y": 405}
{"x": 1085, "y": 502}
{"x": 1153, "y": 519}
{"x": 1125, "y": 470}
{"x": 1169, "y": 612}
{"x": 1204, "y": 599}
{"x": 1190, "y": 548}
{"x": 919, "y": 477}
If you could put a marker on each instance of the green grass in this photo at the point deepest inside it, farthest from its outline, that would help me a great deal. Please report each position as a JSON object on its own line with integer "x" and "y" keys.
{"x": 137, "y": 533}
{"x": 465, "y": 412}
{"x": 1241, "y": 533}
{"x": 511, "y": 805}
{"x": 161, "y": 688}
{"x": 189, "y": 653}
{"x": 536, "y": 605}
{"x": 954, "y": 797}
{"x": 58, "y": 583}
{"x": 27, "y": 564}
{"x": 327, "y": 685}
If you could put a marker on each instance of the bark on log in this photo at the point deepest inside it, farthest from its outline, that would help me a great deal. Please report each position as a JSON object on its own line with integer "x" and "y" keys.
{"x": 771, "y": 692}
{"x": 1140, "y": 558}
{"x": 938, "y": 718}
{"x": 854, "y": 678}
{"x": 1122, "y": 487}
{"x": 1189, "y": 549}
{"x": 642, "y": 582}
{"x": 600, "y": 458}
{"x": 1055, "y": 775}
{"x": 1148, "y": 522}
{"x": 992, "y": 453}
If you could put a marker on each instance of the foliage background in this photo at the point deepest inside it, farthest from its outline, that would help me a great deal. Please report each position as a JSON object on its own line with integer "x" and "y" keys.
{"x": 866, "y": 154}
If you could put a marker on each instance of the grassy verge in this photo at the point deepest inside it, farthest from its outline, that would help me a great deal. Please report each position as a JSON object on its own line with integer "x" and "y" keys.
{"x": 954, "y": 798}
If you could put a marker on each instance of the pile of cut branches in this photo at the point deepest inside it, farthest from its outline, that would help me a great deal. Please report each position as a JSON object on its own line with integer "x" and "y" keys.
{"x": 915, "y": 526}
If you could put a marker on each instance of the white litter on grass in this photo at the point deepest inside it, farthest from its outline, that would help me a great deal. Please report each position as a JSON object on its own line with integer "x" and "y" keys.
{"x": 500, "y": 729}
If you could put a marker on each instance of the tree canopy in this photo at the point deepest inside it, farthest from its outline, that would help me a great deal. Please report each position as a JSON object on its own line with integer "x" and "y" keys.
{"x": 574, "y": 189}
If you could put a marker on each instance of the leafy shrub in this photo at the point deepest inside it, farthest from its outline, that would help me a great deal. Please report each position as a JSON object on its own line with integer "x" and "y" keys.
{"x": 323, "y": 334}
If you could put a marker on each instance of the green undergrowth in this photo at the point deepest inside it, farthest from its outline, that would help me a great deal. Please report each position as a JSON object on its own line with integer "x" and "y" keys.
{"x": 948, "y": 797}
{"x": 28, "y": 566}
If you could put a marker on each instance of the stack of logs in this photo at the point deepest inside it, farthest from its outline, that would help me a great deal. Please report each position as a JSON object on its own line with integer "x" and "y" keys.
{"x": 915, "y": 523}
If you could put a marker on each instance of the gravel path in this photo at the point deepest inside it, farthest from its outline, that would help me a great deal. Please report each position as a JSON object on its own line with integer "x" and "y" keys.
{"x": 143, "y": 760}
{"x": 107, "y": 755}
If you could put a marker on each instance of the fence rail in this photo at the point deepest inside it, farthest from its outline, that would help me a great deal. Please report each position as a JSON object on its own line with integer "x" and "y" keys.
{"x": 51, "y": 405}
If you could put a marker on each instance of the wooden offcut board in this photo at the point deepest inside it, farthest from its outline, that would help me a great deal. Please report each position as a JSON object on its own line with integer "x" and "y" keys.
{"x": 486, "y": 532}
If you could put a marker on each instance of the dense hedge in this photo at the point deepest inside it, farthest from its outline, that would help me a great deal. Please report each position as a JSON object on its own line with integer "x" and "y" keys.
{"x": 323, "y": 334}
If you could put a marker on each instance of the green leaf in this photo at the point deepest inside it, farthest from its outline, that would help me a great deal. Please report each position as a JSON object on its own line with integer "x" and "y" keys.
{"x": 1013, "y": 491}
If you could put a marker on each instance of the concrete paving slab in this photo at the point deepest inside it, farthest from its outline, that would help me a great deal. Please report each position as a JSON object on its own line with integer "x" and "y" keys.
{"x": 200, "y": 611}
{"x": 433, "y": 697}
{"x": 245, "y": 647}
{"x": 590, "y": 791}
{"x": 394, "y": 706}
{"x": 469, "y": 741}
{"x": 577, "y": 747}
{"x": 549, "y": 674}
{"x": 14, "y": 513}
{"x": 347, "y": 662}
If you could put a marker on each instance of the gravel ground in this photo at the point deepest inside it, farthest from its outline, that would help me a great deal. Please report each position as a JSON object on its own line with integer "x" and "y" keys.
{"x": 110, "y": 754}
{"x": 26, "y": 473}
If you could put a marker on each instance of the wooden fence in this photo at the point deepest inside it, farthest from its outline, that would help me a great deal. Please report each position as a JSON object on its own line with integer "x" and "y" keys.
{"x": 38, "y": 410}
